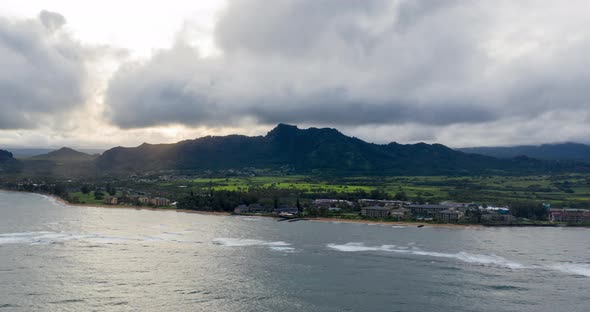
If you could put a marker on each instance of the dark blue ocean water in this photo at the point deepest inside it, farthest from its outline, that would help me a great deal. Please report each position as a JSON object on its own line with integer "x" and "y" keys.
{"x": 63, "y": 258}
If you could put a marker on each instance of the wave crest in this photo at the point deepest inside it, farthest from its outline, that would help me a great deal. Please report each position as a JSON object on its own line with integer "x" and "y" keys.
{"x": 490, "y": 260}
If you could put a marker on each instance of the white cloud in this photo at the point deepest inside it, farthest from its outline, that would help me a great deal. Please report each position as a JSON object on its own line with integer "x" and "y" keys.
{"x": 44, "y": 71}
{"x": 422, "y": 65}
{"x": 456, "y": 72}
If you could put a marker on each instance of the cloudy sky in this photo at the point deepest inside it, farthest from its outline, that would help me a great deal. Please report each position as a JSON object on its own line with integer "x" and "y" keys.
{"x": 461, "y": 73}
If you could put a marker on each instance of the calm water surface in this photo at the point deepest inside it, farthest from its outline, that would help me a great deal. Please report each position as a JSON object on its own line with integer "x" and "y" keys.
{"x": 61, "y": 258}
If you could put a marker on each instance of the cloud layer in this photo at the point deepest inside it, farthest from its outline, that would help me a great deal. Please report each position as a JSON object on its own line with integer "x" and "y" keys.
{"x": 43, "y": 72}
{"x": 360, "y": 63}
{"x": 462, "y": 73}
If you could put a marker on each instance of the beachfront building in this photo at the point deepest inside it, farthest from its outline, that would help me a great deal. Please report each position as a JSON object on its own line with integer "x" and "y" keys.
{"x": 375, "y": 212}
{"x": 160, "y": 202}
{"x": 111, "y": 200}
{"x": 569, "y": 215}
{"x": 331, "y": 203}
{"x": 400, "y": 214}
{"x": 447, "y": 216}
{"x": 286, "y": 210}
{"x": 383, "y": 202}
{"x": 497, "y": 210}
{"x": 421, "y": 211}
{"x": 143, "y": 200}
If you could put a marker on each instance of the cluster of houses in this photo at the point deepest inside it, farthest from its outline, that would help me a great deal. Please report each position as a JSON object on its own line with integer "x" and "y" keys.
{"x": 141, "y": 200}
{"x": 450, "y": 212}
{"x": 444, "y": 212}
{"x": 257, "y": 208}
{"x": 398, "y": 210}
{"x": 568, "y": 215}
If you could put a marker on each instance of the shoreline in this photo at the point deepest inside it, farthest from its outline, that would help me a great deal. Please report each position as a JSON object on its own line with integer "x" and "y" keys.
{"x": 105, "y": 206}
{"x": 219, "y": 213}
{"x": 397, "y": 223}
{"x": 320, "y": 219}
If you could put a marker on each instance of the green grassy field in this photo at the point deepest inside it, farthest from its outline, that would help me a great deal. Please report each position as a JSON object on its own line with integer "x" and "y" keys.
{"x": 88, "y": 198}
{"x": 571, "y": 189}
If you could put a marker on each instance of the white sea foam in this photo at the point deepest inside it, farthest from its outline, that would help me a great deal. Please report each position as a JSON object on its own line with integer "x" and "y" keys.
{"x": 352, "y": 247}
{"x": 490, "y": 260}
{"x": 241, "y": 242}
{"x": 42, "y": 238}
{"x": 573, "y": 268}
{"x": 283, "y": 249}
{"x": 20, "y": 238}
{"x": 251, "y": 219}
{"x": 51, "y": 199}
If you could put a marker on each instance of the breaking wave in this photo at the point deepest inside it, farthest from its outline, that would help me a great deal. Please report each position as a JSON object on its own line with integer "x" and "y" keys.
{"x": 39, "y": 238}
{"x": 489, "y": 260}
{"x": 573, "y": 268}
{"x": 43, "y": 238}
{"x": 240, "y": 242}
{"x": 352, "y": 247}
{"x": 283, "y": 249}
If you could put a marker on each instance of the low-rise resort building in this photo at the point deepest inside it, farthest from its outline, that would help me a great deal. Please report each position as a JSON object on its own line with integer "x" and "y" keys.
{"x": 569, "y": 215}
{"x": 375, "y": 212}
{"x": 421, "y": 211}
{"x": 111, "y": 200}
{"x": 447, "y": 216}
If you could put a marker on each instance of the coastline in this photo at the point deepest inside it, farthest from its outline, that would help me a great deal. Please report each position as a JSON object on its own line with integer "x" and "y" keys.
{"x": 105, "y": 206}
{"x": 320, "y": 219}
{"x": 67, "y": 203}
{"x": 218, "y": 213}
{"x": 397, "y": 223}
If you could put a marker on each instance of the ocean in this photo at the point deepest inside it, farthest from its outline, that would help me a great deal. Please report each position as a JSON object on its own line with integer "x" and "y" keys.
{"x": 55, "y": 257}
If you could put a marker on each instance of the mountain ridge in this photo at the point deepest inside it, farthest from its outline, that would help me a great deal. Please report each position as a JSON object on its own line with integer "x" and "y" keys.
{"x": 566, "y": 151}
{"x": 8, "y": 164}
{"x": 315, "y": 150}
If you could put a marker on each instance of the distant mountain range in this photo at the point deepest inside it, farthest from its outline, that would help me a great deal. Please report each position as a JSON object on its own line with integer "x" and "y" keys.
{"x": 561, "y": 151}
{"x": 314, "y": 150}
{"x": 32, "y": 152}
{"x": 288, "y": 148}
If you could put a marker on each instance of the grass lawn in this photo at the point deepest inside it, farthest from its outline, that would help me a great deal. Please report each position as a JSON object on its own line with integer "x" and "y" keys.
{"x": 565, "y": 189}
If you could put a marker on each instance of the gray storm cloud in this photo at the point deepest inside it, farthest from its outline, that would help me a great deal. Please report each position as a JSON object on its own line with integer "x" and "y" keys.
{"x": 52, "y": 20}
{"x": 359, "y": 63}
{"x": 43, "y": 71}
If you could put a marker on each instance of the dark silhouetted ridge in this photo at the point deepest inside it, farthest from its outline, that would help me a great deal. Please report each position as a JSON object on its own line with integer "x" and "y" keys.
{"x": 316, "y": 150}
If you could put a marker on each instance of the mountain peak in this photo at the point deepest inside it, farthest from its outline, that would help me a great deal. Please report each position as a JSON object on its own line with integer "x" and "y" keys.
{"x": 65, "y": 150}
{"x": 282, "y": 130}
{"x": 285, "y": 127}
{"x": 64, "y": 153}
{"x": 5, "y": 155}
